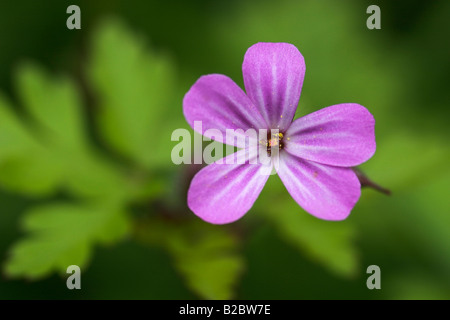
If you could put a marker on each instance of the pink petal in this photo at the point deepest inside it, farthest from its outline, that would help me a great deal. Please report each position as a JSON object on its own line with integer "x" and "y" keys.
{"x": 326, "y": 192}
{"x": 341, "y": 135}
{"x": 220, "y": 104}
{"x": 223, "y": 193}
{"x": 273, "y": 77}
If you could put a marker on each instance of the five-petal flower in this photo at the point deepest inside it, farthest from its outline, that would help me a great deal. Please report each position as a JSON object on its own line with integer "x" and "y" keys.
{"x": 316, "y": 152}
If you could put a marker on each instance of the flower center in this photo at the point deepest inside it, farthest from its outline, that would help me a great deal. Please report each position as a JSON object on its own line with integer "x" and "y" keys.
{"x": 273, "y": 140}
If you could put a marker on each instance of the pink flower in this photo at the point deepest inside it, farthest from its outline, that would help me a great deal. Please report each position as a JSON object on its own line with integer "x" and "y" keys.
{"x": 316, "y": 152}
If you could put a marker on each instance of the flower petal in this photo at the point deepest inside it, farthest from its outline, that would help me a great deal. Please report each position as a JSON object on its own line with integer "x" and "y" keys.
{"x": 223, "y": 193}
{"x": 341, "y": 135}
{"x": 326, "y": 192}
{"x": 273, "y": 77}
{"x": 220, "y": 104}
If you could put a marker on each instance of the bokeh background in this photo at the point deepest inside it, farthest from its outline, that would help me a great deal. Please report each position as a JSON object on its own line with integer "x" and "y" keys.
{"x": 86, "y": 178}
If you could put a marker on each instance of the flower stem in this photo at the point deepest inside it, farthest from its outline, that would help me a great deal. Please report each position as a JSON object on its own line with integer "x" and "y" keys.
{"x": 366, "y": 182}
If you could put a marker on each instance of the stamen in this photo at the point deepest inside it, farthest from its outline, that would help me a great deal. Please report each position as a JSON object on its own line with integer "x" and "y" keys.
{"x": 273, "y": 140}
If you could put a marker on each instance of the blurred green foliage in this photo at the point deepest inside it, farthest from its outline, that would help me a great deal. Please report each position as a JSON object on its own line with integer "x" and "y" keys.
{"x": 86, "y": 176}
{"x": 207, "y": 255}
{"x": 61, "y": 235}
{"x": 135, "y": 90}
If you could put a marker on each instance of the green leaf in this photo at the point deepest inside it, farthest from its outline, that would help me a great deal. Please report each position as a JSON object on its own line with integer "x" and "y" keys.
{"x": 54, "y": 103}
{"x": 92, "y": 175}
{"x": 134, "y": 87}
{"x": 14, "y": 139}
{"x": 207, "y": 256}
{"x": 62, "y": 234}
{"x": 54, "y": 153}
{"x": 37, "y": 173}
{"x": 391, "y": 165}
{"x": 25, "y": 165}
{"x": 326, "y": 242}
